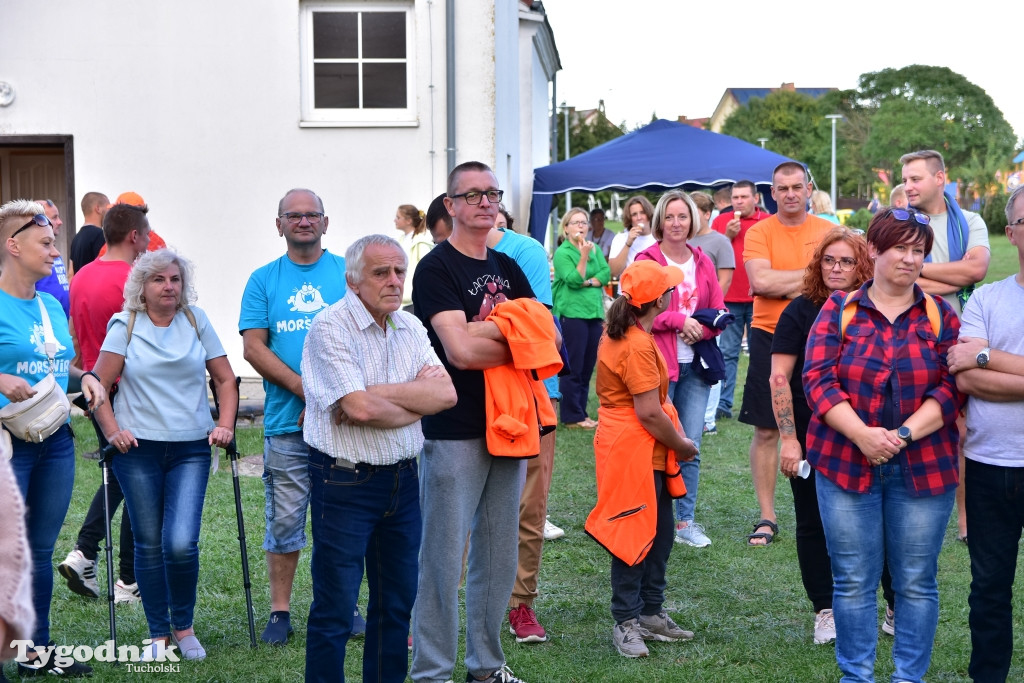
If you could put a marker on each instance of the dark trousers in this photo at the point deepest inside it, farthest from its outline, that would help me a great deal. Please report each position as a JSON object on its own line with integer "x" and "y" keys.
{"x": 995, "y": 516}
{"x": 581, "y": 337}
{"x": 369, "y": 515}
{"x": 811, "y": 549}
{"x": 640, "y": 589}
{"x": 94, "y": 529}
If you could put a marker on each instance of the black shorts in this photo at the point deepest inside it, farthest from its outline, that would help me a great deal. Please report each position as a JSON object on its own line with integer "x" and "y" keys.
{"x": 757, "y": 396}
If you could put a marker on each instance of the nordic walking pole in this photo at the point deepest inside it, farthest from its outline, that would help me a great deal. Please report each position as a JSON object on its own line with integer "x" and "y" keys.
{"x": 232, "y": 451}
{"x": 105, "y": 457}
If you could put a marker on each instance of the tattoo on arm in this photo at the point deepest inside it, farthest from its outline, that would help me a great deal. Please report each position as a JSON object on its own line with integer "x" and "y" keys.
{"x": 782, "y": 399}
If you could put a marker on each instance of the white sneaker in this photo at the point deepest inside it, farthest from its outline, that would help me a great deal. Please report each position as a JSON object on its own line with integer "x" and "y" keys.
{"x": 692, "y": 534}
{"x": 824, "y": 627}
{"x": 80, "y": 574}
{"x": 126, "y": 592}
{"x": 551, "y": 532}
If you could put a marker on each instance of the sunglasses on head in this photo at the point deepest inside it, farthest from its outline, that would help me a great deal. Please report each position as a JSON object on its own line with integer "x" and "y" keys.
{"x": 904, "y": 215}
{"x": 39, "y": 219}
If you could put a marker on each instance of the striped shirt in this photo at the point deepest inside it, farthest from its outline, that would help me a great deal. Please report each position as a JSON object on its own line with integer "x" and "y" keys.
{"x": 875, "y": 361}
{"x": 347, "y": 351}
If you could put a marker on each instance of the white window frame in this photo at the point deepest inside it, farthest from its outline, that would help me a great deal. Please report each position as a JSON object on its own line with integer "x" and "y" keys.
{"x": 359, "y": 117}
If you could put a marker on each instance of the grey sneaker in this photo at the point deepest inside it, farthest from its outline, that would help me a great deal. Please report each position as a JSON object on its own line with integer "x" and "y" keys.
{"x": 889, "y": 623}
{"x": 824, "y": 627}
{"x": 502, "y": 675}
{"x": 80, "y": 574}
{"x": 629, "y": 639}
{"x": 126, "y": 592}
{"x": 692, "y": 534}
{"x": 661, "y": 627}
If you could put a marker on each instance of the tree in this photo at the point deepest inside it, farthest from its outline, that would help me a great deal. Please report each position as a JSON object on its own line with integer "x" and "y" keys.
{"x": 795, "y": 126}
{"x": 932, "y": 107}
{"x": 585, "y": 135}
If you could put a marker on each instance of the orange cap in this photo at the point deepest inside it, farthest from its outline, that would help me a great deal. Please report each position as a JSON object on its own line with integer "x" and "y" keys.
{"x": 645, "y": 281}
{"x": 133, "y": 198}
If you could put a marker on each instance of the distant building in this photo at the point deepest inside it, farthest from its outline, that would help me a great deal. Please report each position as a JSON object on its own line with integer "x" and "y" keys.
{"x": 734, "y": 98}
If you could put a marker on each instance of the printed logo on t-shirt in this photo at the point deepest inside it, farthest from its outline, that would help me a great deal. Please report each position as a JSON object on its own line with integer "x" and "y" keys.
{"x": 307, "y": 299}
{"x": 493, "y": 288}
{"x": 42, "y": 365}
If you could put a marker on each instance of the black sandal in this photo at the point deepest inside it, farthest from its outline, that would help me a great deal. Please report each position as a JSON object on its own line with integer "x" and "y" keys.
{"x": 768, "y": 537}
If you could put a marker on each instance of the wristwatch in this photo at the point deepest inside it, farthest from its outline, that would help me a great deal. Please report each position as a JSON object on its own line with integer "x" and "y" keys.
{"x": 983, "y": 357}
{"x": 904, "y": 433}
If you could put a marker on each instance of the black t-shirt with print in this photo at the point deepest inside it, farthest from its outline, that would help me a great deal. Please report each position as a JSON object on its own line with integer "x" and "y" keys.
{"x": 448, "y": 280}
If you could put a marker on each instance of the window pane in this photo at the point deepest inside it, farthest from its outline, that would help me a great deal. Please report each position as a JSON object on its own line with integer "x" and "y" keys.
{"x": 336, "y": 86}
{"x": 383, "y": 35}
{"x": 334, "y": 35}
{"x": 384, "y": 86}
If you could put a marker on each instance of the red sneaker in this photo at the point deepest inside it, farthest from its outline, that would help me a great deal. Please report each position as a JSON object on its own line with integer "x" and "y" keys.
{"x": 524, "y": 626}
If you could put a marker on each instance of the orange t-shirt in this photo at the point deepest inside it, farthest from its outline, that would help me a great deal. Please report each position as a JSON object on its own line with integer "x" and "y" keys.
{"x": 629, "y": 366}
{"x": 787, "y": 248}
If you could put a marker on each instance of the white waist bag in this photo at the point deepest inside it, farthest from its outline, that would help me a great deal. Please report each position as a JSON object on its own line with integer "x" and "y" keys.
{"x": 36, "y": 418}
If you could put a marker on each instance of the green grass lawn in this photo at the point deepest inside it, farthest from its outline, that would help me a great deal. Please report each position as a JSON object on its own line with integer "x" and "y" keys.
{"x": 747, "y": 606}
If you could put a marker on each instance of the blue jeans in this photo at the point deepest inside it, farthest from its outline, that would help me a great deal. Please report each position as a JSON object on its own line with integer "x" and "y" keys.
{"x": 286, "y": 489}
{"x": 45, "y": 473}
{"x": 730, "y": 342}
{"x": 372, "y": 514}
{"x": 581, "y": 338}
{"x": 689, "y": 394}
{"x": 861, "y": 529}
{"x": 995, "y": 516}
{"x": 164, "y": 483}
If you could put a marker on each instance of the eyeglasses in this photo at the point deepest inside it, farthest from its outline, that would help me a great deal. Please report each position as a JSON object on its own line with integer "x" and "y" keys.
{"x": 473, "y": 197}
{"x": 846, "y": 264}
{"x": 578, "y": 223}
{"x": 903, "y": 215}
{"x": 39, "y": 219}
{"x": 295, "y": 218}
{"x": 1019, "y": 221}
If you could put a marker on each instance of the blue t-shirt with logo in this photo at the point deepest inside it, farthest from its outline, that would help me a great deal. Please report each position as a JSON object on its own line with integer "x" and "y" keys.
{"x": 283, "y": 297}
{"x": 22, "y": 342}
{"x": 57, "y": 285}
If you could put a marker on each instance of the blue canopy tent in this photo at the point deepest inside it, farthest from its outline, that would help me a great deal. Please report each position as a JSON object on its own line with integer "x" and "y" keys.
{"x": 660, "y": 156}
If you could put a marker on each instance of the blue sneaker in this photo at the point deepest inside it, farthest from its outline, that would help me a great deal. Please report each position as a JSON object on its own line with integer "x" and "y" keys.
{"x": 358, "y": 624}
{"x": 711, "y": 429}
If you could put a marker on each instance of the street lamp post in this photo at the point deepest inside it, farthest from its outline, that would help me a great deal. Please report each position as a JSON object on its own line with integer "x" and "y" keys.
{"x": 762, "y": 141}
{"x": 565, "y": 113}
{"x": 834, "y": 118}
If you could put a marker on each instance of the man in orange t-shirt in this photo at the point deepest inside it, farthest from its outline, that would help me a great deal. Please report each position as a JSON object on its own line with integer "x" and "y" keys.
{"x": 776, "y": 253}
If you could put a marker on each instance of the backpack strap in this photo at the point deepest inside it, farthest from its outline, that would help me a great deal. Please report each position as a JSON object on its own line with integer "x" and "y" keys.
{"x": 186, "y": 310}
{"x": 930, "y": 307}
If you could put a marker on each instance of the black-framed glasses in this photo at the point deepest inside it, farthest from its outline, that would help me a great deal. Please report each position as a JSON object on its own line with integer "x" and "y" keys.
{"x": 904, "y": 215}
{"x": 1019, "y": 221}
{"x": 294, "y": 218}
{"x": 39, "y": 219}
{"x": 846, "y": 264}
{"x": 473, "y": 197}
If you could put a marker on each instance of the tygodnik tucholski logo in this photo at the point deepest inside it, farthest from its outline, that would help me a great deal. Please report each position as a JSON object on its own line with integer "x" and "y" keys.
{"x": 159, "y": 656}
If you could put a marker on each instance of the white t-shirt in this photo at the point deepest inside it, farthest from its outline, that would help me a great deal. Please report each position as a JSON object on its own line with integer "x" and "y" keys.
{"x": 639, "y": 244}
{"x": 977, "y": 236}
{"x": 687, "y": 293}
{"x": 995, "y": 429}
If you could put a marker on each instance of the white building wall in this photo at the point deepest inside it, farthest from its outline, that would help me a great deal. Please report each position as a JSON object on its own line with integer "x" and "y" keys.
{"x": 195, "y": 105}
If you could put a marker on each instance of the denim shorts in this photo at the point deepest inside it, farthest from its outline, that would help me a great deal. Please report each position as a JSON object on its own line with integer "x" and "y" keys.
{"x": 286, "y": 483}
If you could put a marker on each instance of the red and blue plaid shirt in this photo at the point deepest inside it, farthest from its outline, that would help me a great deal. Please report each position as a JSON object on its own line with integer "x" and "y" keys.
{"x": 859, "y": 369}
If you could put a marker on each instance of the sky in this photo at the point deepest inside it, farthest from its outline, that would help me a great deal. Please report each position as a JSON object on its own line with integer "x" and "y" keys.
{"x": 677, "y": 57}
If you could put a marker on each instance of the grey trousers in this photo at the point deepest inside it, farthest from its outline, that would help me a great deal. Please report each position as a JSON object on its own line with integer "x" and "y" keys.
{"x": 464, "y": 490}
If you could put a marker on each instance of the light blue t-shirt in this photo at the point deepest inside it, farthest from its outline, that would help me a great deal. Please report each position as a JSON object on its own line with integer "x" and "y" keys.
{"x": 162, "y": 393}
{"x": 22, "y": 343}
{"x": 57, "y": 285}
{"x": 283, "y": 297}
{"x": 532, "y": 258}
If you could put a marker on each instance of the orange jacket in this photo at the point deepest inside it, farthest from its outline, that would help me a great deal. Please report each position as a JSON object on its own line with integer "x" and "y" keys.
{"x": 516, "y": 402}
{"x": 625, "y": 518}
